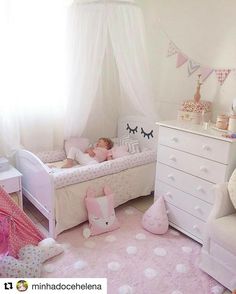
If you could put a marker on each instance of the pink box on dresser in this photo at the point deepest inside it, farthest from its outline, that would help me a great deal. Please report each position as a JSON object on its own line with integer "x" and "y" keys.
{"x": 195, "y": 112}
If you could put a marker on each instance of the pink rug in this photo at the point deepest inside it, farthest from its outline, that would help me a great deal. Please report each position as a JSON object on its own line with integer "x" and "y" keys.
{"x": 133, "y": 260}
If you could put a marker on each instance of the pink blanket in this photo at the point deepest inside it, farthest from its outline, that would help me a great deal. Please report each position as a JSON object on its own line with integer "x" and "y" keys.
{"x": 16, "y": 228}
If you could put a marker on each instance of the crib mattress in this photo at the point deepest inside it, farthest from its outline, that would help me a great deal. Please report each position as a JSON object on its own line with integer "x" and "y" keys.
{"x": 78, "y": 174}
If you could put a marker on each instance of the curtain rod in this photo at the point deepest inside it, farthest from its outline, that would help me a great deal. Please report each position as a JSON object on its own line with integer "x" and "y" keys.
{"x": 106, "y": 1}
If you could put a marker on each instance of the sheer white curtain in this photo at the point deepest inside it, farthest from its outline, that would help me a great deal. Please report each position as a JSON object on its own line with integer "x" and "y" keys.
{"x": 32, "y": 96}
{"x": 91, "y": 24}
{"x": 127, "y": 32}
{"x": 87, "y": 45}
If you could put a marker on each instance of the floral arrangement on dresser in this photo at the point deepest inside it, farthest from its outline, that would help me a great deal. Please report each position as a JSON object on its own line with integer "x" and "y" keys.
{"x": 194, "y": 110}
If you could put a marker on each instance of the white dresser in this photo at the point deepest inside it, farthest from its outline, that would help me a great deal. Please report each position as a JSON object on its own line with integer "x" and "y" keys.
{"x": 190, "y": 160}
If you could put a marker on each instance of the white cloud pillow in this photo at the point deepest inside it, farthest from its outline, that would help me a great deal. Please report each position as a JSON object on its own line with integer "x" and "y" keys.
{"x": 29, "y": 264}
{"x": 232, "y": 188}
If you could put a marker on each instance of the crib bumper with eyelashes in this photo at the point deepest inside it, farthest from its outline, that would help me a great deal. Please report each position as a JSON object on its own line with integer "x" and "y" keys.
{"x": 135, "y": 130}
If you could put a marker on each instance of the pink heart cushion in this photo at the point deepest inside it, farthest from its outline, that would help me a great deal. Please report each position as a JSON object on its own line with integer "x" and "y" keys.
{"x": 101, "y": 213}
{"x": 155, "y": 219}
{"x": 77, "y": 142}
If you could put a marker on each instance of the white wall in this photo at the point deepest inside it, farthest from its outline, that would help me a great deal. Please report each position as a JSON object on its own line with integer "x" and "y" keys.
{"x": 205, "y": 31}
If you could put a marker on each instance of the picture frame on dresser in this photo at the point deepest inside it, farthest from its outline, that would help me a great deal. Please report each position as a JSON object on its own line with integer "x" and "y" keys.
{"x": 190, "y": 161}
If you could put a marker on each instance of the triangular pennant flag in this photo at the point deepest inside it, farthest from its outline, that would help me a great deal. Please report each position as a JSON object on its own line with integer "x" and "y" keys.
{"x": 181, "y": 59}
{"x": 205, "y": 73}
{"x": 192, "y": 67}
{"x": 172, "y": 49}
{"x": 222, "y": 74}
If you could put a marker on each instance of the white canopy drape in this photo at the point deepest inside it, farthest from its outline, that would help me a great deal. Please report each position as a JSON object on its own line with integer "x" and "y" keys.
{"x": 91, "y": 24}
{"x": 107, "y": 59}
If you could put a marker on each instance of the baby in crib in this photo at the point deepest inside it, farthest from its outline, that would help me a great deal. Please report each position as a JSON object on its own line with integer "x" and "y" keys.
{"x": 92, "y": 155}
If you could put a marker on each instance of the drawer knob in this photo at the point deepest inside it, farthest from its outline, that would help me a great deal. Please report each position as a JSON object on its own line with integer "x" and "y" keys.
{"x": 195, "y": 227}
{"x": 174, "y": 139}
{"x": 169, "y": 195}
{"x": 203, "y": 168}
{"x": 172, "y": 157}
{"x": 206, "y": 147}
{"x": 200, "y": 189}
{"x": 171, "y": 177}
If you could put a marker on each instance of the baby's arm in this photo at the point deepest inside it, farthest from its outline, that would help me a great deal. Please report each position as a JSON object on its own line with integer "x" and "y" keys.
{"x": 90, "y": 152}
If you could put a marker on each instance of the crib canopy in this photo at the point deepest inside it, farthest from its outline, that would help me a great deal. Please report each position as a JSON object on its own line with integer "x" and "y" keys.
{"x": 95, "y": 28}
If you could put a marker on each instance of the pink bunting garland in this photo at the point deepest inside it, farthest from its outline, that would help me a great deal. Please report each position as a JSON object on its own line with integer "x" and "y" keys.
{"x": 181, "y": 59}
{"x": 172, "y": 49}
{"x": 205, "y": 73}
{"x": 222, "y": 75}
{"x": 193, "y": 66}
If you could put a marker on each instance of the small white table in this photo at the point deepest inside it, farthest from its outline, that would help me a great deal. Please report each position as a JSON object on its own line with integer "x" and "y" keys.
{"x": 10, "y": 181}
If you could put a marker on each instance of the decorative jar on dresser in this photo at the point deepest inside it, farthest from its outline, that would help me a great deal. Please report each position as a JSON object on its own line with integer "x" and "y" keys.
{"x": 190, "y": 160}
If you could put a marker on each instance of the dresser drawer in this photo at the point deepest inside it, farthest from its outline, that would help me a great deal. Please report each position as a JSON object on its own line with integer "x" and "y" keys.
{"x": 203, "y": 146}
{"x": 10, "y": 185}
{"x": 184, "y": 201}
{"x": 206, "y": 169}
{"x": 191, "y": 224}
{"x": 185, "y": 182}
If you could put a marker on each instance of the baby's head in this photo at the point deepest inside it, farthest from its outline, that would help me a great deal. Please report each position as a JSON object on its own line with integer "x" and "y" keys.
{"x": 105, "y": 143}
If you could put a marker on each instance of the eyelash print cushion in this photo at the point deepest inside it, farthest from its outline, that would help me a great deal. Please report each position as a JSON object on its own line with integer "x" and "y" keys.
{"x": 135, "y": 130}
{"x": 148, "y": 135}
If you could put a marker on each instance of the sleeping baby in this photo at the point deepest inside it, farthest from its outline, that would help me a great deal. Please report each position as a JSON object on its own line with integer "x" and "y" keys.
{"x": 99, "y": 153}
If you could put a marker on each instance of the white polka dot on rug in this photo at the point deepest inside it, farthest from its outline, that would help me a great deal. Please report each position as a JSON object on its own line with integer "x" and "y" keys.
{"x": 129, "y": 211}
{"x": 217, "y": 290}
{"x": 181, "y": 268}
{"x": 174, "y": 233}
{"x": 160, "y": 251}
{"x": 187, "y": 249}
{"x": 125, "y": 289}
{"x": 80, "y": 264}
{"x": 150, "y": 273}
{"x": 110, "y": 238}
{"x": 131, "y": 249}
{"x": 89, "y": 244}
{"x": 176, "y": 292}
{"x": 140, "y": 236}
{"x": 49, "y": 268}
{"x": 113, "y": 266}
